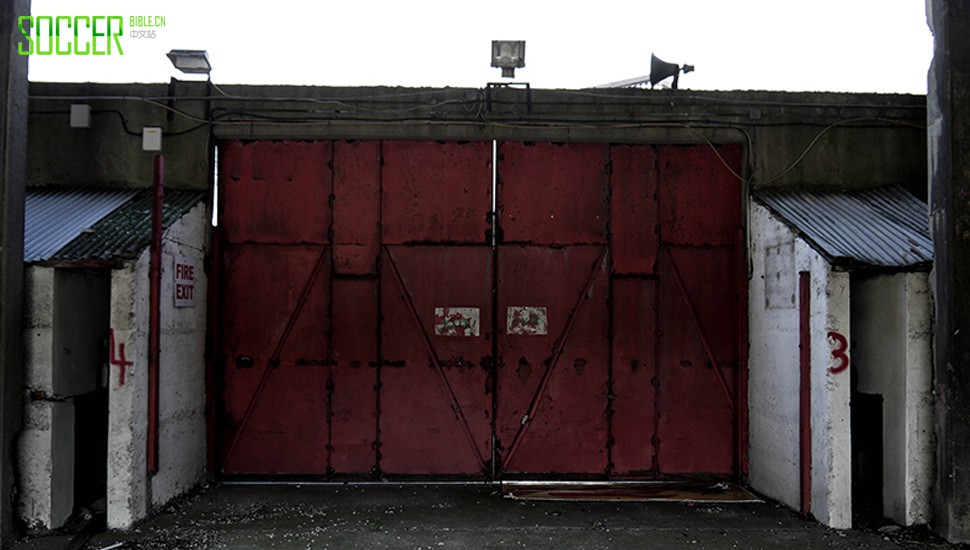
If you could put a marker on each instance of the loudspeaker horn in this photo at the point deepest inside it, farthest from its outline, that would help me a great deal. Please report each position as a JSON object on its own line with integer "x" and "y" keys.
{"x": 661, "y": 70}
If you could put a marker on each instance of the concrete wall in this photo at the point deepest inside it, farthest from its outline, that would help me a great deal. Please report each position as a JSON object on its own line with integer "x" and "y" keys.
{"x": 127, "y": 498}
{"x": 182, "y": 428}
{"x": 111, "y": 147}
{"x": 892, "y": 342}
{"x": 46, "y": 465}
{"x": 13, "y": 178}
{"x": 831, "y": 420}
{"x": 182, "y": 440}
{"x": 774, "y": 382}
{"x": 948, "y": 121}
{"x": 39, "y": 328}
{"x": 41, "y": 457}
{"x": 773, "y": 373}
{"x": 848, "y": 140}
{"x": 65, "y": 327}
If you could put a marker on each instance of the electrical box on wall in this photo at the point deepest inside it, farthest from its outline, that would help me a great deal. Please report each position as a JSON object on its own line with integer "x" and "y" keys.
{"x": 151, "y": 139}
{"x": 80, "y": 115}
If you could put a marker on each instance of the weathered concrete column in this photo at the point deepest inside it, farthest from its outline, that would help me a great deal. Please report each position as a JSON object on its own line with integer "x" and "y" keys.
{"x": 13, "y": 175}
{"x": 948, "y": 114}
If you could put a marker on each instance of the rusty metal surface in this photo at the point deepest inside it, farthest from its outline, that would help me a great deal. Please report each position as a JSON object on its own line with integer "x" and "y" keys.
{"x": 277, "y": 352}
{"x": 356, "y": 206}
{"x": 700, "y": 215}
{"x": 354, "y": 377}
{"x": 275, "y": 192}
{"x": 615, "y": 283}
{"x": 553, "y": 193}
{"x": 353, "y": 407}
{"x": 696, "y": 428}
{"x": 275, "y": 219}
{"x": 552, "y": 388}
{"x": 634, "y": 226}
{"x": 700, "y": 201}
{"x": 634, "y": 420}
{"x": 436, "y": 192}
{"x": 435, "y": 415}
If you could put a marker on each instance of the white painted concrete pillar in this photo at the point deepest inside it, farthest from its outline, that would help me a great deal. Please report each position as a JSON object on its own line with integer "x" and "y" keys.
{"x": 46, "y": 462}
{"x": 830, "y": 381}
{"x": 127, "y": 499}
{"x": 45, "y": 452}
{"x": 773, "y": 355}
{"x": 920, "y": 421}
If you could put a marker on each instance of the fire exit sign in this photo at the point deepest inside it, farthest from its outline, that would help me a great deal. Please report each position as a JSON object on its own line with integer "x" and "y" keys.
{"x": 185, "y": 279}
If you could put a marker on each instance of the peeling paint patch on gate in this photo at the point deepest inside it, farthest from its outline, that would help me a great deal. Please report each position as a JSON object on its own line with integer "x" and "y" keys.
{"x": 528, "y": 321}
{"x": 456, "y": 321}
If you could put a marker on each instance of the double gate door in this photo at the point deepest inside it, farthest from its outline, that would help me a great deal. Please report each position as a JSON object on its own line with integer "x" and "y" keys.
{"x": 383, "y": 314}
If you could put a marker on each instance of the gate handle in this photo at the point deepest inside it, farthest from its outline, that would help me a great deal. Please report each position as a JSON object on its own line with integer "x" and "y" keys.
{"x": 244, "y": 362}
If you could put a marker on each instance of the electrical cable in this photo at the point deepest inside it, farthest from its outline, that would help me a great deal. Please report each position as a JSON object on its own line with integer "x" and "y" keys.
{"x": 480, "y": 118}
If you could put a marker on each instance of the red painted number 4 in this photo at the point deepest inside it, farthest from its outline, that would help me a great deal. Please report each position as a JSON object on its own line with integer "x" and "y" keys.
{"x": 841, "y": 359}
{"x": 118, "y": 360}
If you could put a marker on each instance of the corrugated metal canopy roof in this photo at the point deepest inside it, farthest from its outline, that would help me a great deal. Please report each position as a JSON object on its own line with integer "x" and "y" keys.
{"x": 885, "y": 227}
{"x": 128, "y": 230}
{"x": 54, "y": 217}
{"x": 95, "y": 224}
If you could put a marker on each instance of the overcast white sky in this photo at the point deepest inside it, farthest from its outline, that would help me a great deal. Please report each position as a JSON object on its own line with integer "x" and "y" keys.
{"x": 824, "y": 45}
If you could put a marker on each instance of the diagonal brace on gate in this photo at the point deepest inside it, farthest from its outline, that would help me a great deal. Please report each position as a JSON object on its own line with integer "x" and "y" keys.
{"x": 557, "y": 351}
{"x": 429, "y": 347}
{"x": 277, "y": 351}
{"x": 700, "y": 331}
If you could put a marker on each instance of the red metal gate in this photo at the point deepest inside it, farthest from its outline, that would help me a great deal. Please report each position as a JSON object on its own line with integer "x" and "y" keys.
{"x": 553, "y": 287}
{"x": 436, "y": 280}
{"x": 276, "y": 266}
{"x": 699, "y": 299}
{"x": 378, "y": 322}
{"x": 356, "y": 244}
{"x": 634, "y": 245}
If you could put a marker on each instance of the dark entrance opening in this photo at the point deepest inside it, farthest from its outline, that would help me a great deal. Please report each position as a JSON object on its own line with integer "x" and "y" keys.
{"x": 91, "y": 451}
{"x": 867, "y": 464}
{"x": 82, "y": 317}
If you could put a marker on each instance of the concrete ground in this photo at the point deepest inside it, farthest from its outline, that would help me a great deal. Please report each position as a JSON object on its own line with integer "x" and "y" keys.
{"x": 441, "y": 516}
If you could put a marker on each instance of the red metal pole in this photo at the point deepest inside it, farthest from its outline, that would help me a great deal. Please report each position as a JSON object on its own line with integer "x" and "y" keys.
{"x": 155, "y": 307}
{"x": 805, "y": 390}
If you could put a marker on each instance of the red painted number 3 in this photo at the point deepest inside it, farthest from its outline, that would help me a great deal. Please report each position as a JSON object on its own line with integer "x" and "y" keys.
{"x": 118, "y": 359}
{"x": 841, "y": 359}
